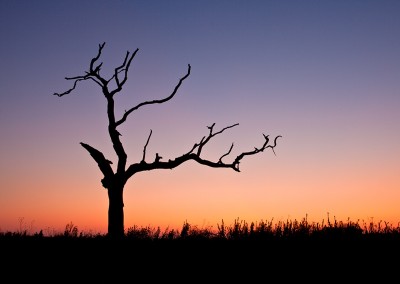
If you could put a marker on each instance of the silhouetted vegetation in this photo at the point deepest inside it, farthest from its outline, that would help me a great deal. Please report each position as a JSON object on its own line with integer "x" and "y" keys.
{"x": 292, "y": 250}
{"x": 239, "y": 230}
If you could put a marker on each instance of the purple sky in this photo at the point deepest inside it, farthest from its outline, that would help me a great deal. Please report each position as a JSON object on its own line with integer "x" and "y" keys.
{"x": 323, "y": 74}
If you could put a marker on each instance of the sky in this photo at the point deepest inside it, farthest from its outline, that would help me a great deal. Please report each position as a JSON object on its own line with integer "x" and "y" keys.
{"x": 323, "y": 74}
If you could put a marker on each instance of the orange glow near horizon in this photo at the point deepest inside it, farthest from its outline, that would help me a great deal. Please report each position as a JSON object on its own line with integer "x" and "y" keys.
{"x": 160, "y": 200}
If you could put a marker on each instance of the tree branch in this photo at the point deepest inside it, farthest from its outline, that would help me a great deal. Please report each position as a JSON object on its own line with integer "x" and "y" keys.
{"x": 124, "y": 67}
{"x": 224, "y": 155}
{"x": 236, "y": 162}
{"x": 70, "y": 90}
{"x": 145, "y": 146}
{"x": 102, "y": 162}
{"x": 94, "y": 59}
{"x": 190, "y": 155}
{"x": 92, "y": 74}
{"x": 211, "y": 135}
{"x": 128, "y": 112}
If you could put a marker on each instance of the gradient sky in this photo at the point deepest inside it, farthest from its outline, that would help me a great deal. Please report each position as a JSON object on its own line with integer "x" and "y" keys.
{"x": 323, "y": 74}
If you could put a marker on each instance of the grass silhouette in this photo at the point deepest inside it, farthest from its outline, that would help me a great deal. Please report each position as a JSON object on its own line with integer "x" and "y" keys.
{"x": 239, "y": 230}
{"x": 294, "y": 250}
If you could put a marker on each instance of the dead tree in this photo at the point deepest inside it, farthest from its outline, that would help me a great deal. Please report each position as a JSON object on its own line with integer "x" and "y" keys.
{"x": 114, "y": 180}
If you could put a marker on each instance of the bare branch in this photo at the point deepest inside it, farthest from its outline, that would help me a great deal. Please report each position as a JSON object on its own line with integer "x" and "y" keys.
{"x": 211, "y": 135}
{"x": 102, "y": 162}
{"x": 70, "y": 90}
{"x": 113, "y": 76}
{"x": 196, "y": 145}
{"x": 170, "y": 164}
{"x": 118, "y": 69}
{"x": 255, "y": 151}
{"x": 77, "y": 79}
{"x": 124, "y": 67}
{"x": 128, "y": 112}
{"x": 273, "y": 147}
{"x": 93, "y": 74}
{"x": 224, "y": 155}
{"x": 145, "y": 146}
{"x": 101, "y": 46}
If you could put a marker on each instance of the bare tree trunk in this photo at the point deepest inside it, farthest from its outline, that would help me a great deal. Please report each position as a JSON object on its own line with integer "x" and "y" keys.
{"x": 116, "y": 211}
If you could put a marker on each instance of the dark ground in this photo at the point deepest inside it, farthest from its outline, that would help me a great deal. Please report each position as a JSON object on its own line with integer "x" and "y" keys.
{"x": 100, "y": 260}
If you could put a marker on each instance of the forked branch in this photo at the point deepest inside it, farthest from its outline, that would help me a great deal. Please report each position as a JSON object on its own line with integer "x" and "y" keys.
{"x": 196, "y": 156}
{"x": 94, "y": 74}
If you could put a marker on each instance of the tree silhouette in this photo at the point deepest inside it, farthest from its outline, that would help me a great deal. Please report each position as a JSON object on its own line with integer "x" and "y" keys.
{"x": 115, "y": 180}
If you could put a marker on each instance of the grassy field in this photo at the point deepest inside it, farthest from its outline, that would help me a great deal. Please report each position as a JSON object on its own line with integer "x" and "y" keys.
{"x": 291, "y": 250}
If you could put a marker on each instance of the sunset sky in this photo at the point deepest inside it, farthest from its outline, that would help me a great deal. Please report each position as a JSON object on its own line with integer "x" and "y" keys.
{"x": 323, "y": 74}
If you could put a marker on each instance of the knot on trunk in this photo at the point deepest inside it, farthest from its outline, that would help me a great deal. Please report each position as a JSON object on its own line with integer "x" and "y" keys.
{"x": 106, "y": 182}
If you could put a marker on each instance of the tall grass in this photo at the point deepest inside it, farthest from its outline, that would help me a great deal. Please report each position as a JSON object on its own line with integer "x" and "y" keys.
{"x": 239, "y": 230}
